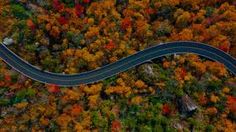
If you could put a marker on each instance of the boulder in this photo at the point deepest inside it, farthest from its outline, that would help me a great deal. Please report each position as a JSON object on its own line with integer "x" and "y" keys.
{"x": 148, "y": 73}
{"x": 186, "y": 105}
{"x": 8, "y": 41}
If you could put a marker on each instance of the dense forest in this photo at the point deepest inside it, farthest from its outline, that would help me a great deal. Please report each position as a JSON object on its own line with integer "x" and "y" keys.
{"x": 173, "y": 93}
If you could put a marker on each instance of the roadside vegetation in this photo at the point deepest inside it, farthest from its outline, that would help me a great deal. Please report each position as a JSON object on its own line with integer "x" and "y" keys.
{"x": 174, "y": 93}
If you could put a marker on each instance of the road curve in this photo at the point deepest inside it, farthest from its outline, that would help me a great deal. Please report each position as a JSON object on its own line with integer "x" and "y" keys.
{"x": 122, "y": 65}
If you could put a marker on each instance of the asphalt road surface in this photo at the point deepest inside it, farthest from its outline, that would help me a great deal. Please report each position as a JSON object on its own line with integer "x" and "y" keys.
{"x": 120, "y": 66}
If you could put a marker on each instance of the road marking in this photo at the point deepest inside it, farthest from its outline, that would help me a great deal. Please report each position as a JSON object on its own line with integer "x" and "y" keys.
{"x": 106, "y": 71}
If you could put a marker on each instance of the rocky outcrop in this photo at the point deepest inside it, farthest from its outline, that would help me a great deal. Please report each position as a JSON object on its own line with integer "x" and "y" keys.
{"x": 148, "y": 73}
{"x": 186, "y": 105}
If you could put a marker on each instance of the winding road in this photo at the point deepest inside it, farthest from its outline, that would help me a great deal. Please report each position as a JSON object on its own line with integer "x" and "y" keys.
{"x": 122, "y": 65}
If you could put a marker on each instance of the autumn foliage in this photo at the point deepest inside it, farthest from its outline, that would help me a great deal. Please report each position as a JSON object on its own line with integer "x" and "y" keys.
{"x": 74, "y": 36}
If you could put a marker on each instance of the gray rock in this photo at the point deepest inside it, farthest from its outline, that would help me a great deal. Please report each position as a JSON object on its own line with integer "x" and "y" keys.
{"x": 8, "y": 41}
{"x": 148, "y": 73}
{"x": 186, "y": 105}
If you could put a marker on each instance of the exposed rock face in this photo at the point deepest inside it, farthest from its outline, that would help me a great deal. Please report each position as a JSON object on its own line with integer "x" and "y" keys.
{"x": 148, "y": 73}
{"x": 186, "y": 105}
{"x": 8, "y": 41}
